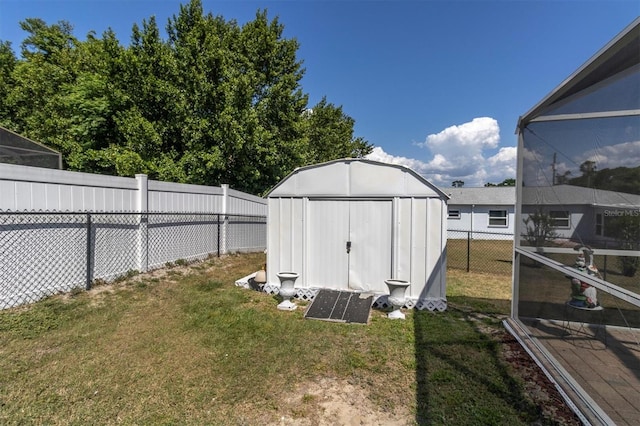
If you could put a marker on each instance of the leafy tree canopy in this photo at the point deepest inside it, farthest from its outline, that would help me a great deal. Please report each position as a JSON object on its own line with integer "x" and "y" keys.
{"x": 506, "y": 182}
{"x": 209, "y": 102}
{"x": 619, "y": 179}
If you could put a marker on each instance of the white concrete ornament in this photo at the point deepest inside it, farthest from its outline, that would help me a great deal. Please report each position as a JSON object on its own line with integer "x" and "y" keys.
{"x": 396, "y": 297}
{"x": 287, "y": 290}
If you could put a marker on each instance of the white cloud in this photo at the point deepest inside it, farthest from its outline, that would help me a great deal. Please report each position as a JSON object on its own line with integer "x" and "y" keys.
{"x": 378, "y": 154}
{"x": 459, "y": 153}
{"x": 478, "y": 133}
{"x": 626, "y": 154}
{"x": 538, "y": 170}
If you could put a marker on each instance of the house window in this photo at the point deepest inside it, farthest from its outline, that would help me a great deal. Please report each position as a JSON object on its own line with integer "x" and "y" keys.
{"x": 497, "y": 218}
{"x": 599, "y": 224}
{"x": 454, "y": 214}
{"x": 560, "y": 219}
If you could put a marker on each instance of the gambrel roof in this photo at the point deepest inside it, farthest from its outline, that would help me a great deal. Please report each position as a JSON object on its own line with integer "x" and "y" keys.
{"x": 356, "y": 178}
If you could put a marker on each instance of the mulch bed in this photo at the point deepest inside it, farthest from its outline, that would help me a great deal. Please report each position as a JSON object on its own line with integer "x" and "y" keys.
{"x": 538, "y": 388}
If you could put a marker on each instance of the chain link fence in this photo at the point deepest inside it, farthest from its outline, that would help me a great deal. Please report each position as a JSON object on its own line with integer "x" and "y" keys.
{"x": 47, "y": 253}
{"x": 478, "y": 251}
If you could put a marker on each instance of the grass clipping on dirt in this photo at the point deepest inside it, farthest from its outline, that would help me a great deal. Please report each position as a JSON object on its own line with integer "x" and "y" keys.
{"x": 185, "y": 346}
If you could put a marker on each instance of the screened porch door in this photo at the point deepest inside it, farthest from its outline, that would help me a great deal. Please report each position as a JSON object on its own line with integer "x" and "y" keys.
{"x": 350, "y": 244}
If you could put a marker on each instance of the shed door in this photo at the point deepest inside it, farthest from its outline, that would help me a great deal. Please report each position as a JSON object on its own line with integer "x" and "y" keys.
{"x": 350, "y": 245}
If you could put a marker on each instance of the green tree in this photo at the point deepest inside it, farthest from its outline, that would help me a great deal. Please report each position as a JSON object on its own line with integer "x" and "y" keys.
{"x": 619, "y": 179}
{"x": 538, "y": 229}
{"x": 38, "y": 79}
{"x": 506, "y": 182}
{"x": 627, "y": 232}
{"x": 212, "y": 102}
{"x": 329, "y": 133}
{"x": 588, "y": 169}
{"x": 8, "y": 62}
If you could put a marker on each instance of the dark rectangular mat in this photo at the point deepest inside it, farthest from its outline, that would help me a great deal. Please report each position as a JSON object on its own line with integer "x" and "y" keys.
{"x": 340, "y": 306}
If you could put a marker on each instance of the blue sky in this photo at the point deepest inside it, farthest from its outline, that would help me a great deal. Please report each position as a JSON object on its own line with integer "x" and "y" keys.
{"x": 434, "y": 85}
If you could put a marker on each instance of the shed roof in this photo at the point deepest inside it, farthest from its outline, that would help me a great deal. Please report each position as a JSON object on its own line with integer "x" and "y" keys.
{"x": 355, "y": 178}
{"x": 491, "y": 195}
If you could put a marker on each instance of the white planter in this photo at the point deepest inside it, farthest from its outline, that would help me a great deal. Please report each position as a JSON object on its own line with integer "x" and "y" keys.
{"x": 287, "y": 290}
{"x": 396, "y": 297}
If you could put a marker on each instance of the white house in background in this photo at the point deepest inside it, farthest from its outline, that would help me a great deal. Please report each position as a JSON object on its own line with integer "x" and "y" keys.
{"x": 481, "y": 211}
{"x": 581, "y": 214}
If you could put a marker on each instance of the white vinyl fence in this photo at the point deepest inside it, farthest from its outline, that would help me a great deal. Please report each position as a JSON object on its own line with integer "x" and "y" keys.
{"x": 63, "y": 230}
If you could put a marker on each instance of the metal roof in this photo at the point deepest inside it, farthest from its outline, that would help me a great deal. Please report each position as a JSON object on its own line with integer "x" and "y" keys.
{"x": 491, "y": 195}
{"x": 355, "y": 177}
{"x": 621, "y": 53}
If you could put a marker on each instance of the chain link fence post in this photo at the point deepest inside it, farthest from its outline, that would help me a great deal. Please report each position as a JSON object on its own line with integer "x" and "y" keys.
{"x": 218, "y": 233}
{"x": 89, "y": 254}
{"x": 143, "y": 219}
{"x": 468, "y": 251}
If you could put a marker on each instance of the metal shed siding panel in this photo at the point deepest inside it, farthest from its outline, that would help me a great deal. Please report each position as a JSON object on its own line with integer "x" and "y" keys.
{"x": 284, "y": 236}
{"x": 414, "y": 186}
{"x": 324, "y": 181}
{"x": 435, "y": 261}
{"x": 285, "y": 246}
{"x": 297, "y": 236}
{"x": 420, "y": 245}
{"x": 373, "y": 180}
{"x": 402, "y": 241}
{"x": 273, "y": 240}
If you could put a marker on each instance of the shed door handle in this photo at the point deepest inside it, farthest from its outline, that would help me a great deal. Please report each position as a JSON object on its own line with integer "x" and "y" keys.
{"x": 348, "y": 246}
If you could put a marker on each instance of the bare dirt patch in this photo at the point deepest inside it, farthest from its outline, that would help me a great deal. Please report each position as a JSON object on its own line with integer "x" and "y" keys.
{"x": 330, "y": 401}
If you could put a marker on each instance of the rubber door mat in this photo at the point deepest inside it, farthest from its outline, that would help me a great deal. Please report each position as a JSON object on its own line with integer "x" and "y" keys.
{"x": 340, "y": 306}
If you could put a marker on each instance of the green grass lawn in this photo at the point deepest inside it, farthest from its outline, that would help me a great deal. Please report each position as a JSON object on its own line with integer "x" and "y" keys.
{"x": 488, "y": 256}
{"x": 186, "y": 346}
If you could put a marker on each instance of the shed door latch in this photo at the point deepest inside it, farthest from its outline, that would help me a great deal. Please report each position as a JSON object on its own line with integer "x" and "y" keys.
{"x": 348, "y": 246}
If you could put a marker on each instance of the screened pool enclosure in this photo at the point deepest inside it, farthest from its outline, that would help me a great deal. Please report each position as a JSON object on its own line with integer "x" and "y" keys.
{"x": 577, "y": 250}
{"x": 16, "y": 149}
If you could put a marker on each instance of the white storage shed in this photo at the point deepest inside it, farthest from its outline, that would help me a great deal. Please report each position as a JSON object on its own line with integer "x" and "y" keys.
{"x": 351, "y": 224}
